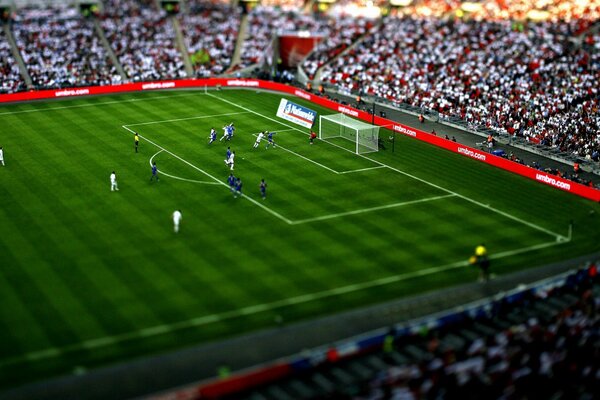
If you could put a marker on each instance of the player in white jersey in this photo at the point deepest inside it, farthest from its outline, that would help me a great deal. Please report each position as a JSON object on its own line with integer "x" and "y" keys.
{"x": 231, "y": 160}
{"x": 227, "y": 132}
{"x": 113, "y": 182}
{"x": 176, "y": 220}
{"x": 213, "y": 135}
{"x": 1, "y": 156}
{"x": 260, "y": 136}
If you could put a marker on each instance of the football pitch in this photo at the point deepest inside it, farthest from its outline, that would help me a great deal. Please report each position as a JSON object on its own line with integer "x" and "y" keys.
{"x": 90, "y": 277}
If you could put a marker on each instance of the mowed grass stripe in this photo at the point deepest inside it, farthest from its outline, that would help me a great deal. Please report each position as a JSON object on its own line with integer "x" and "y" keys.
{"x": 69, "y": 266}
{"x": 107, "y": 248}
{"x": 218, "y": 230}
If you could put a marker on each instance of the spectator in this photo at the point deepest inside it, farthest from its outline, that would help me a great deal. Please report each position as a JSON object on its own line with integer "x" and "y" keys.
{"x": 143, "y": 40}
{"x": 9, "y": 70}
{"x": 210, "y": 31}
{"x": 61, "y": 49}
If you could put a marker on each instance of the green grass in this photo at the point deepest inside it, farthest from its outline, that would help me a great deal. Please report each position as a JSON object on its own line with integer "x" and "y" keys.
{"x": 89, "y": 277}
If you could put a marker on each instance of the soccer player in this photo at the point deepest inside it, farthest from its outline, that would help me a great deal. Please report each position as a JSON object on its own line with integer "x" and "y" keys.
{"x": 313, "y": 136}
{"x": 176, "y": 220}
{"x": 231, "y": 181}
{"x": 154, "y": 172}
{"x": 270, "y": 141}
{"x": 231, "y": 160}
{"x": 213, "y": 135}
{"x": 227, "y": 132}
{"x": 238, "y": 187}
{"x": 136, "y": 141}
{"x": 258, "y": 139}
{"x": 227, "y": 154}
{"x": 113, "y": 182}
{"x": 1, "y": 156}
{"x": 263, "y": 189}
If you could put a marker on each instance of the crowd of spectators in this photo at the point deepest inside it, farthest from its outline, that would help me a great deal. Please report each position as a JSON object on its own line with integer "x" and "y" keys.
{"x": 528, "y": 80}
{"x": 287, "y": 5}
{"x": 543, "y": 358}
{"x": 339, "y": 34}
{"x": 264, "y": 22}
{"x": 60, "y": 48}
{"x": 555, "y": 10}
{"x": 143, "y": 39}
{"x": 9, "y": 70}
{"x": 210, "y": 31}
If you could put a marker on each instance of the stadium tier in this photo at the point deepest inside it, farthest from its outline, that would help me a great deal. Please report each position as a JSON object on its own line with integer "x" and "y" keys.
{"x": 524, "y": 344}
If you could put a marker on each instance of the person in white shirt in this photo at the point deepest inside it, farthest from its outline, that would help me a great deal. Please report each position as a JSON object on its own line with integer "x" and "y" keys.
{"x": 176, "y": 220}
{"x": 230, "y": 161}
{"x": 113, "y": 182}
{"x": 1, "y": 156}
{"x": 258, "y": 139}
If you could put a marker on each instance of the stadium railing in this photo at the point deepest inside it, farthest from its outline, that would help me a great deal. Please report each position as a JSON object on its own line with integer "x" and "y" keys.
{"x": 531, "y": 173}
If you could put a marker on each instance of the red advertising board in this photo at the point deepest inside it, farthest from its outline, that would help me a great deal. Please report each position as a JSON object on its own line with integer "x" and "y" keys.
{"x": 548, "y": 179}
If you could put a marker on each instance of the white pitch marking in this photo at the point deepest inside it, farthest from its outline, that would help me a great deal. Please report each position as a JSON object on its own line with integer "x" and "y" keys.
{"x": 306, "y": 158}
{"x": 97, "y": 104}
{"x": 503, "y": 213}
{"x": 185, "y": 119}
{"x": 53, "y": 352}
{"x": 361, "y": 170}
{"x": 366, "y": 210}
{"x": 274, "y": 213}
{"x": 178, "y": 177}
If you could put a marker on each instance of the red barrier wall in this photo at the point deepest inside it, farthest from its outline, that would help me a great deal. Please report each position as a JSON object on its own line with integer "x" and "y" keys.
{"x": 554, "y": 181}
{"x": 238, "y": 383}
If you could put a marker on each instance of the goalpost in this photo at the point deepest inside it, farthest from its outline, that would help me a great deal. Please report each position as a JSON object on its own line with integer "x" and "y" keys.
{"x": 365, "y": 136}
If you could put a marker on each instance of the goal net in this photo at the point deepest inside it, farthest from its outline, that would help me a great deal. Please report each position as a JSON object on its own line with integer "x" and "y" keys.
{"x": 364, "y": 136}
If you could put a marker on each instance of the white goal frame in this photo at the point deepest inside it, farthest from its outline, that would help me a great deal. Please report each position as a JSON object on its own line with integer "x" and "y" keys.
{"x": 365, "y": 136}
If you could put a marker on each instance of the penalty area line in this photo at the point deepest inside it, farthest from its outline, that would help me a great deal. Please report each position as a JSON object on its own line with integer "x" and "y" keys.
{"x": 557, "y": 236}
{"x": 371, "y": 209}
{"x": 185, "y": 119}
{"x": 361, "y": 170}
{"x": 250, "y": 199}
{"x": 54, "y": 352}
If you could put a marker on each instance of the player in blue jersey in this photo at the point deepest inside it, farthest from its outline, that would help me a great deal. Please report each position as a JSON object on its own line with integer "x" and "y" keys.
{"x": 263, "y": 189}
{"x": 227, "y": 132}
{"x": 231, "y": 181}
{"x": 154, "y": 172}
{"x": 231, "y": 160}
{"x": 227, "y": 154}
{"x": 270, "y": 141}
{"x": 213, "y": 135}
{"x": 238, "y": 187}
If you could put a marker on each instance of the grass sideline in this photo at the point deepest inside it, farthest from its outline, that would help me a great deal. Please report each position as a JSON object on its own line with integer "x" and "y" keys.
{"x": 91, "y": 277}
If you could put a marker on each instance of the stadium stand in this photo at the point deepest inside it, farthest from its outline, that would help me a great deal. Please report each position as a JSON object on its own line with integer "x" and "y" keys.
{"x": 340, "y": 34}
{"x": 514, "y": 346}
{"x": 530, "y": 82}
{"x": 60, "y": 48}
{"x": 210, "y": 31}
{"x": 9, "y": 70}
{"x": 143, "y": 39}
{"x": 263, "y": 22}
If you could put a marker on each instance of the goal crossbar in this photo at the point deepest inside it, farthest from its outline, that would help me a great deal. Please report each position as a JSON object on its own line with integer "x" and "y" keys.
{"x": 365, "y": 136}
